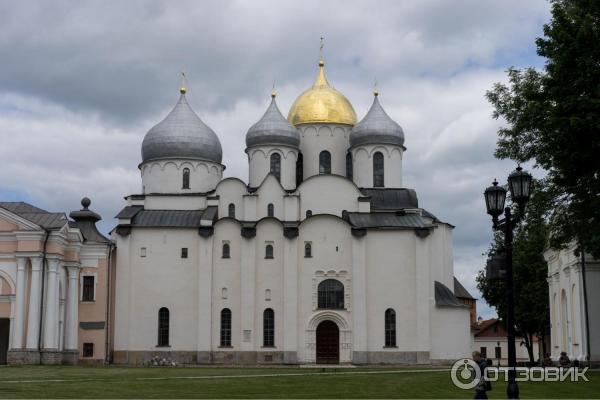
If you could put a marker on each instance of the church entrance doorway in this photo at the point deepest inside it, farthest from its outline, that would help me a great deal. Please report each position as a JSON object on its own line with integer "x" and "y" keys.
{"x": 328, "y": 343}
{"x": 4, "y": 333}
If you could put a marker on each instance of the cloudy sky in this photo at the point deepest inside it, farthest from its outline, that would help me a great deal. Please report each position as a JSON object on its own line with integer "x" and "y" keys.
{"x": 82, "y": 82}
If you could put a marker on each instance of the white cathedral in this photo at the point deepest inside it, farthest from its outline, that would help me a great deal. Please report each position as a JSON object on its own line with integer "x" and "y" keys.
{"x": 322, "y": 257}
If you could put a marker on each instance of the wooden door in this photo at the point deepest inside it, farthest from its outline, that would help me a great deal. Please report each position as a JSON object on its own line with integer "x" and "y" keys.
{"x": 328, "y": 343}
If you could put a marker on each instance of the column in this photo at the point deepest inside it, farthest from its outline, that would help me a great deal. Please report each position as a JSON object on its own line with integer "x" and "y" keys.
{"x": 33, "y": 320}
{"x": 359, "y": 300}
{"x": 72, "y": 308}
{"x": 248, "y": 286}
{"x": 204, "y": 304}
{"x": 17, "y": 341}
{"x": 51, "y": 314}
{"x": 290, "y": 301}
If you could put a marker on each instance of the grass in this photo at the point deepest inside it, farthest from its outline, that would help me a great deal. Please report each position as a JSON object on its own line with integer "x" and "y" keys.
{"x": 118, "y": 382}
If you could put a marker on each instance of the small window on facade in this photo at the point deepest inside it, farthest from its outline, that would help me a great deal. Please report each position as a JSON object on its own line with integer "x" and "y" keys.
{"x": 299, "y": 169}
{"x": 268, "y": 328}
{"x": 269, "y": 251}
{"x": 184, "y": 252}
{"x": 226, "y": 327}
{"x": 142, "y": 252}
{"x": 331, "y": 294}
{"x": 163, "y": 327}
{"x": 186, "y": 178}
{"x": 390, "y": 328}
{"x": 231, "y": 211}
{"x": 226, "y": 250}
{"x": 88, "y": 350}
{"x": 349, "y": 173}
{"x": 498, "y": 350}
{"x": 224, "y": 293}
{"x": 483, "y": 351}
{"x": 378, "y": 169}
{"x": 325, "y": 162}
{"x": 308, "y": 213}
{"x": 268, "y": 294}
{"x": 276, "y": 165}
{"x": 270, "y": 210}
{"x": 307, "y": 250}
{"x": 89, "y": 285}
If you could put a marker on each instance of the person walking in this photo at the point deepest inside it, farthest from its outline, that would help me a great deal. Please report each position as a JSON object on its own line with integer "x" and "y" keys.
{"x": 483, "y": 385}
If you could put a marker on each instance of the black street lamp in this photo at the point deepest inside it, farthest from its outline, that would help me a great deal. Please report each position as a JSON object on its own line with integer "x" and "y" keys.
{"x": 519, "y": 184}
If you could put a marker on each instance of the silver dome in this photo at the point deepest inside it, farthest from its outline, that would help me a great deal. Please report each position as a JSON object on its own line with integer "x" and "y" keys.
{"x": 272, "y": 129}
{"x": 377, "y": 128}
{"x": 182, "y": 134}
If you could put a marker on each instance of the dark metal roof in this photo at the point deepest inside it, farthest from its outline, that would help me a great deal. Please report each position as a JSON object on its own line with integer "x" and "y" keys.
{"x": 167, "y": 218}
{"x": 129, "y": 211}
{"x": 386, "y": 220}
{"x": 392, "y": 199}
{"x": 460, "y": 291}
{"x": 272, "y": 129}
{"x": 43, "y": 218}
{"x": 445, "y": 298}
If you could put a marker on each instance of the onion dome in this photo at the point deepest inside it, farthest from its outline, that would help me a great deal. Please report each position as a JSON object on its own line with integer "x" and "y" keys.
{"x": 272, "y": 129}
{"x": 377, "y": 128}
{"x": 182, "y": 134}
{"x": 322, "y": 104}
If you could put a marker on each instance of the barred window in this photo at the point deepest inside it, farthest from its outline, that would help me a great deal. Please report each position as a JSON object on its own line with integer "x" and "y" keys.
{"x": 331, "y": 294}
{"x": 231, "y": 210}
{"x": 325, "y": 162}
{"x": 270, "y": 210}
{"x": 186, "y": 178}
{"x": 226, "y": 327}
{"x": 269, "y": 251}
{"x": 307, "y": 250}
{"x": 88, "y": 350}
{"x": 184, "y": 252}
{"x": 269, "y": 328}
{"x": 390, "y": 328}
{"x": 378, "y": 169}
{"x": 88, "y": 288}
{"x": 163, "y": 327}
{"x": 226, "y": 250}
{"x": 276, "y": 165}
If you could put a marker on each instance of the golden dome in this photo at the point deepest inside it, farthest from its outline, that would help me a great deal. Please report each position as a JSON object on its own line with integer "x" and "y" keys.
{"x": 322, "y": 104}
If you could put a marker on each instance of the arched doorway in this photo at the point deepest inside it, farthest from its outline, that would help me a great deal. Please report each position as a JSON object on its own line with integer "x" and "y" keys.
{"x": 328, "y": 343}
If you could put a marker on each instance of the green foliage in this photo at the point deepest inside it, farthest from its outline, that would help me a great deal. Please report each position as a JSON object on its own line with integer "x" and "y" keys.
{"x": 553, "y": 119}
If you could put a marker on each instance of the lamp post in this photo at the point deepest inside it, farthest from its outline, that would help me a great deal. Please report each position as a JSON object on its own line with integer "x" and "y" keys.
{"x": 519, "y": 184}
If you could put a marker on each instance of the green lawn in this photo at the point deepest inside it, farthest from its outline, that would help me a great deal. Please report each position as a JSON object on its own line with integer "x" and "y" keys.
{"x": 117, "y": 382}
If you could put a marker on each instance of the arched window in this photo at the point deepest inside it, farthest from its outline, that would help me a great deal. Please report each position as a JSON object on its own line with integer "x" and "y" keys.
{"x": 276, "y": 165}
{"x": 349, "y": 173}
{"x": 226, "y": 327}
{"x": 231, "y": 210}
{"x": 390, "y": 328}
{"x": 299, "y": 169}
{"x": 378, "y": 169}
{"x": 325, "y": 162}
{"x": 331, "y": 294}
{"x": 271, "y": 210}
{"x": 163, "y": 326}
{"x": 307, "y": 250}
{"x": 186, "y": 178}
{"x": 226, "y": 250}
{"x": 308, "y": 213}
{"x": 269, "y": 251}
{"x": 268, "y": 328}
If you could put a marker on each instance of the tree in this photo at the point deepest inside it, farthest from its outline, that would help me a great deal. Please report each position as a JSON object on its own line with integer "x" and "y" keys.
{"x": 532, "y": 315}
{"x": 553, "y": 119}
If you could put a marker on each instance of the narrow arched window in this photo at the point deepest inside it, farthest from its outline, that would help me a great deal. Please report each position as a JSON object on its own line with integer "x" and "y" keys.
{"x": 307, "y": 250}
{"x": 226, "y": 327}
{"x": 325, "y": 162}
{"x": 269, "y": 251}
{"x": 268, "y": 328}
{"x": 349, "y": 173}
{"x": 276, "y": 165}
{"x": 308, "y": 213}
{"x": 186, "y": 178}
{"x": 231, "y": 210}
{"x": 226, "y": 250}
{"x": 163, "y": 327}
{"x": 390, "y": 328}
{"x": 331, "y": 294}
{"x": 378, "y": 169}
{"x": 271, "y": 210}
{"x": 299, "y": 169}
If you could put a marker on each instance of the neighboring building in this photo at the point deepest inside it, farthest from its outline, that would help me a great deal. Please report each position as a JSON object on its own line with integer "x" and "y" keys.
{"x": 53, "y": 285}
{"x": 463, "y": 295}
{"x": 490, "y": 338}
{"x": 567, "y": 312}
{"x": 323, "y": 257}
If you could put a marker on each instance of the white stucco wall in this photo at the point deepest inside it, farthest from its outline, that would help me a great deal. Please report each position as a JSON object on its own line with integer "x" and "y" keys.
{"x": 259, "y": 159}
{"x": 362, "y": 162}
{"x": 166, "y": 176}
{"x": 315, "y": 138}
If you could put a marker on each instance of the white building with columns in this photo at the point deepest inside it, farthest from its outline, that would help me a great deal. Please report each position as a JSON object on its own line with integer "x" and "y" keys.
{"x": 567, "y": 304}
{"x": 52, "y": 286}
{"x": 322, "y": 257}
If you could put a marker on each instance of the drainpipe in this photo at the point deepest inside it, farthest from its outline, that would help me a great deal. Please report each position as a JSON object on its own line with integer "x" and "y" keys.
{"x": 107, "y": 358}
{"x": 585, "y": 308}
{"x": 42, "y": 294}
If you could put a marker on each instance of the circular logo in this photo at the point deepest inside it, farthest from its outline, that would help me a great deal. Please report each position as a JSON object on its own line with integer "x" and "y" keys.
{"x": 465, "y": 374}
